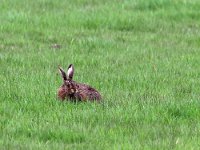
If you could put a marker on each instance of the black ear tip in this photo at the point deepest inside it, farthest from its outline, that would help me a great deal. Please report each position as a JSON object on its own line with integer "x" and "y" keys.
{"x": 62, "y": 73}
{"x": 71, "y": 65}
{"x": 59, "y": 68}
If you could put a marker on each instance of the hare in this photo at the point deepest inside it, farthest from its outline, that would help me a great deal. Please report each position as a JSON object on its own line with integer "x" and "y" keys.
{"x": 75, "y": 91}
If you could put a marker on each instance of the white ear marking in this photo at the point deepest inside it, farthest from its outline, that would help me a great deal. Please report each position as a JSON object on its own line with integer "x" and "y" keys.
{"x": 70, "y": 72}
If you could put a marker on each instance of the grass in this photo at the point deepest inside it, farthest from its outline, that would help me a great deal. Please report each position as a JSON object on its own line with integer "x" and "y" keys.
{"x": 143, "y": 56}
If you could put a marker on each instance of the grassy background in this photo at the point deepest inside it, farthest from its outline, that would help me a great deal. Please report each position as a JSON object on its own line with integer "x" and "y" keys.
{"x": 143, "y": 56}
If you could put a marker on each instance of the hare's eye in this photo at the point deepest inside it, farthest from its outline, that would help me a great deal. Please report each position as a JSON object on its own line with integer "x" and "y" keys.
{"x": 67, "y": 82}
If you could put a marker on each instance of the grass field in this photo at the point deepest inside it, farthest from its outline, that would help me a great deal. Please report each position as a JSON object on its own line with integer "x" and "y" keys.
{"x": 142, "y": 55}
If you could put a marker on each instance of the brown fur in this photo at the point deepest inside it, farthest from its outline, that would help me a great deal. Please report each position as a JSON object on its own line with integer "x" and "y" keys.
{"x": 72, "y": 90}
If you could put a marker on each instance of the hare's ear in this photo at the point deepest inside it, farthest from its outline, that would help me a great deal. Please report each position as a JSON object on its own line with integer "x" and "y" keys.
{"x": 70, "y": 72}
{"x": 62, "y": 72}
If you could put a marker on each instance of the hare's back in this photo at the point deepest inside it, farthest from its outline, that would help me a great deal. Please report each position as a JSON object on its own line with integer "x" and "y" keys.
{"x": 88, "y": 92}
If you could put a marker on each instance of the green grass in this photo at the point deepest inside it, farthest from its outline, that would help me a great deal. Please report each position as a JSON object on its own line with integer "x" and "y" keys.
{"x": 143, "y": 56}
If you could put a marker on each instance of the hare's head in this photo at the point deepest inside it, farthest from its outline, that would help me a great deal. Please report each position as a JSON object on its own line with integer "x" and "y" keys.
{"x": 67, "y": 88}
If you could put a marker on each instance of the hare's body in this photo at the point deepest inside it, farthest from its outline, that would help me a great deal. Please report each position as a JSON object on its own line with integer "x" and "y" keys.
{"x": 76, "y": 91}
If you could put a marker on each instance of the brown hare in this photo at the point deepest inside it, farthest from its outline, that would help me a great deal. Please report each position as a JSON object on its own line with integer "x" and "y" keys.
{"x": 75, "y": 91}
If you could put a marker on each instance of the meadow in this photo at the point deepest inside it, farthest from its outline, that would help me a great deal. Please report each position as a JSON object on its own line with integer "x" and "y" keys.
{"x": 142, "y": 55}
